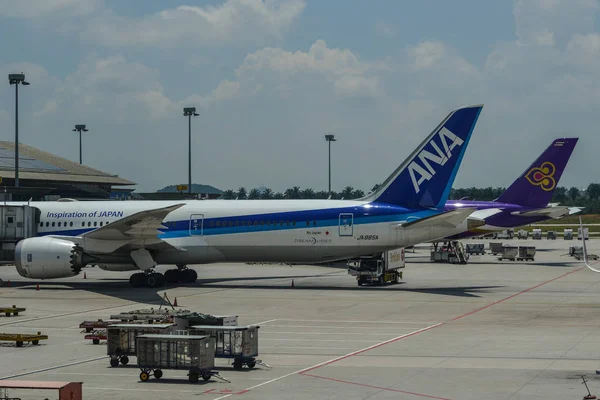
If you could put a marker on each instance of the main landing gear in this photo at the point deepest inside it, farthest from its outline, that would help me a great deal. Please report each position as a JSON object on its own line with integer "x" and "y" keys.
{"x": 182, "y": 274}
{"x": 147, "y": 279}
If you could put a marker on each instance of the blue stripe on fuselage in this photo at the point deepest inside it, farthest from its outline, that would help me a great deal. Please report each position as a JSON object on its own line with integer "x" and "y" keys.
{"x": 363, "y": 214}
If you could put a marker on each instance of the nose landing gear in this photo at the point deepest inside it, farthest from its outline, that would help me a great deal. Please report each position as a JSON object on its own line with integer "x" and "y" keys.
{"x": 181, "y": 274}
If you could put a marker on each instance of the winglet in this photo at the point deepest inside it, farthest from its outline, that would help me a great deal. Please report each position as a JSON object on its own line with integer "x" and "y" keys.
{"x": 585, "y": 259}
{"x": 424, "y": 179}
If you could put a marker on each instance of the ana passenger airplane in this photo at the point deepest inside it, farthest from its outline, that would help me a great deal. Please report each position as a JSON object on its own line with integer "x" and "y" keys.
{"x": 527, "y": 200}
{"x": 137, "y": 235}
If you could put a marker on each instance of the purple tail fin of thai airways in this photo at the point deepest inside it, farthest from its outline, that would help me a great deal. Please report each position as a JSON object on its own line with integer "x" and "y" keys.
{"x": 534, "y": 188}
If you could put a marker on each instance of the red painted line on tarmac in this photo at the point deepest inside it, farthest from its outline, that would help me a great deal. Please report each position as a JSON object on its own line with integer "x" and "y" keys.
{"x": 369, "y": 348}
{"x": 515, "y": 295}
{"x": 374, "y": 387}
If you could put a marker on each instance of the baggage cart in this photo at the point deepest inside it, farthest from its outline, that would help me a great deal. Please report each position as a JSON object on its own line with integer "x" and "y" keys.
{"x": 185, "y": 321}
{"x": 195, "y": 353}
{"x": 495, "y": 247}
{"x": 14, "y": 310}
{"x": 121, "y": 339}
{"x": 526, "y": 253}
{"x": 239, "y": 343}
{"x": 551, "y": 235}
{"x": 536, "y": 234}
{"x": 20, "y": 338}
{"x": 509, "y": 253}
{"x": 476, "y": 248}
{"x": 568, "y": 234}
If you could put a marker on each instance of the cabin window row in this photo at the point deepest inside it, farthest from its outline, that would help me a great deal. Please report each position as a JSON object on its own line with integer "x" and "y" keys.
{"x": 231, "y": 223}
{"x": 70, "y": 224}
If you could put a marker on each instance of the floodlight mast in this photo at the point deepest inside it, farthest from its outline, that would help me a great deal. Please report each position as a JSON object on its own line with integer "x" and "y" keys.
{"x": 189, "y": 112}
{"x": 330, "y": 138}
{"x": 79, "y": 128}
{"x": 16, "y": 79}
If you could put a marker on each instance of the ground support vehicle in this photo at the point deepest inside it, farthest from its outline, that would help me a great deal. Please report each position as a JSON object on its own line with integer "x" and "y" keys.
{"x": 14, "y": 310}
{"x": 568, "y": 234}
{"x": 20, "y": 338}
{"x": 496, "y": 247}
{"x": 195, "y": 353}
{"x": 551, "y": 235}
{"x": 239, "y": 343}
{"x": 475, "y": 248}
{"x": 378, "y": 268}
{"x": 121, "y": 339}
{"x": 450, "y": 252}
{"x": 509, "y": 253}
{"x": 526, "y": 253}
{"x": 536, "y": 234}
{"x": 522, "y": 234}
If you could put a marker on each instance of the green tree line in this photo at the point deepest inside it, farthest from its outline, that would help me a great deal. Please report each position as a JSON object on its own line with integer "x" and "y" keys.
{"x": 588, "y": 198}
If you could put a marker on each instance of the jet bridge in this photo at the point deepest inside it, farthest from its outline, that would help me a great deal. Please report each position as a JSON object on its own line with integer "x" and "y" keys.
{"x": 17, "y": 222}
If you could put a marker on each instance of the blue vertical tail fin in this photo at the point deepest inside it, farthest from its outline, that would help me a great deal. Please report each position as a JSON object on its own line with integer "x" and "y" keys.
{"x": 425, "y": 178}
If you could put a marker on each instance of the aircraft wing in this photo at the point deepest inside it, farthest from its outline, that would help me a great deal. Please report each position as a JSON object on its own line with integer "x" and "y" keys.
{"x": 139, "y": 230}
{"x": 449, "y": 219}
{"x": 550, "y": 212}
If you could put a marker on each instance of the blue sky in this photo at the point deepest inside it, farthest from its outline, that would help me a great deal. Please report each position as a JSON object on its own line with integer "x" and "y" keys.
{"x": 271, "y": 77}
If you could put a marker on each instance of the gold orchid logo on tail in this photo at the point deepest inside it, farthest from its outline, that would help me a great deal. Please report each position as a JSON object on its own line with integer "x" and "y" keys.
{"x": 542, "y": 176}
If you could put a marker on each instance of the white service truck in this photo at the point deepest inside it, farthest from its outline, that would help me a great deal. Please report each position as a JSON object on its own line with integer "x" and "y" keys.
{"x": 378, "y": 268}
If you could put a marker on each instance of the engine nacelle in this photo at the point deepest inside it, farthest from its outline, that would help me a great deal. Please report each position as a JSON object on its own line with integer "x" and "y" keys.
{"x": 118, "y": 267}
{"x": 48, "y": 258}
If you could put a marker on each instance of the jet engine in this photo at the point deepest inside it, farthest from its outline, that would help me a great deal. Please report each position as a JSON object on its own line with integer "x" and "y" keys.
{"x": 118, "y": 267}
{"x": 48, "y": 258}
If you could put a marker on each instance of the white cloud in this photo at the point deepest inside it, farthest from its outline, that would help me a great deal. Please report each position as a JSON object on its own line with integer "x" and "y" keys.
{"x": 383, "y": 29}
{"x": 340, "y": 68}
{"x": 233, "y": 22}
{"x": 544, "y": 22}
{"x": 43, "y": 8}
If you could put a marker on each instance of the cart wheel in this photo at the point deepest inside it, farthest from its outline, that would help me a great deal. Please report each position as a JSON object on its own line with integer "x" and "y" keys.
{"x": 19, "y": 344}
{"x": 144, "y": 376}
{"x": 206, "y": 376}
{"x": 158, "y": 373}
{"x": 237, "y": 364}
{"x": 251, "y": 364}
{"x": 114, "y": 362}
{"x": 124, "y": 360}
{"x": 35, "y": 342}
{"x": 96, "y": 341}
{"x": 193, "y": 378}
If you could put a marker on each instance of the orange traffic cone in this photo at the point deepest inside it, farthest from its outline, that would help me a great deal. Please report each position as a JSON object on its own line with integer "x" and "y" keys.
{"x": 175, "y": 302}
{"x": 37, "y": 287}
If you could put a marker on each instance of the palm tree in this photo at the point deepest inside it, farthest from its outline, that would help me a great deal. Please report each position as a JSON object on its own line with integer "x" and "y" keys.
{"x": 347, "y": 192}
{"x": 279, "y": 196}
{"x": 375, "y": 187}
{"x": 267, "y": 194}
{"x": 241, "y": 193}
{"x": 573, "y": 193}
{"x": 254, "y": 194}
{"x": 307, "y": 194}
{"x": 357, "y": 194}
{"x": 228, "y": 195}
{"x": 322, "y": 194}
{"x": 293, "y": 193}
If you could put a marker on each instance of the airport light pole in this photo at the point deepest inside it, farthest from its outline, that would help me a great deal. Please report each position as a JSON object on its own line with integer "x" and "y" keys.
{"x": 15, "y": 79}
{"x": 330, "y": 138}
{"x": 80, "y": 128}
{"x": 189, "y": 112}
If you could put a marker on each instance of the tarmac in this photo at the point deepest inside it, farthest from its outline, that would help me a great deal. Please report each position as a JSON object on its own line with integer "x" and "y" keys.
{"x": 489, "y": 329}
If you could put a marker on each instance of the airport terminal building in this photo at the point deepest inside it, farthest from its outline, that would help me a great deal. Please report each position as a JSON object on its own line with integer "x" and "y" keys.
{"x": 45, "y": 176}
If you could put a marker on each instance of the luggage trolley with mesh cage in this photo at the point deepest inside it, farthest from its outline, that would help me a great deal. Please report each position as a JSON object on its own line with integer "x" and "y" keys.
{"x": 237, "y": 342}
{"x": 196, "y": 353}
{"x": 120, "y": 339}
